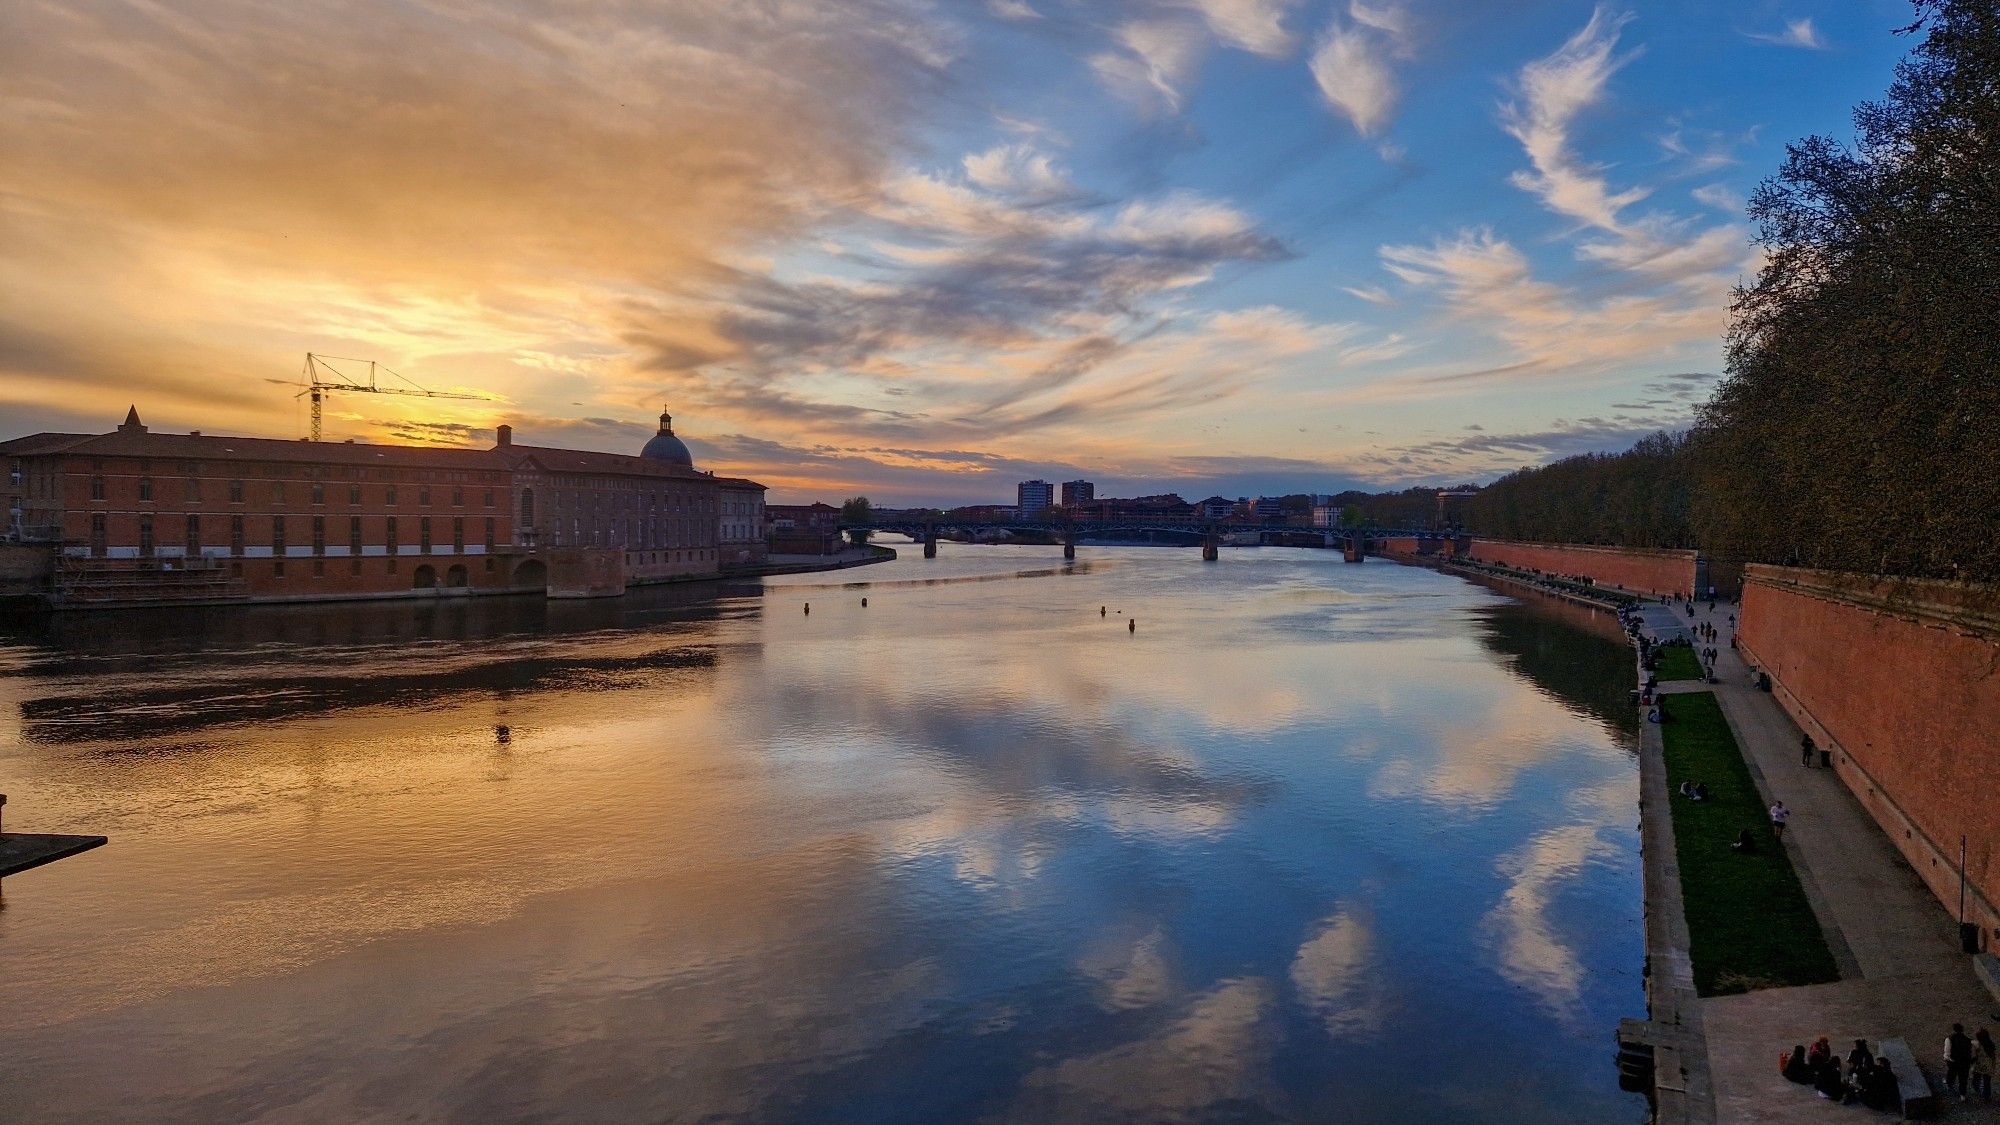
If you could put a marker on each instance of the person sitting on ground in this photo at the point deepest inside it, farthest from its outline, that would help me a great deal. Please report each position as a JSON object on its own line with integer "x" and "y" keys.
{"x": 1746, "y": 843}
{"x": 1701, "y": 790}
{"x": 1881, "y": 1090}
{"x": 1858, "y": 1061}
{"x": 1821, "y": 1051}
{"x": 1687, "y": 788}
{"x": 1793, "y": 1066}
{"x": 1827, "y": 1081}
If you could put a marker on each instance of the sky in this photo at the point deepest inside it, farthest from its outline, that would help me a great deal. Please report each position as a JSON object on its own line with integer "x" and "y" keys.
{"x": 918, "y": 251}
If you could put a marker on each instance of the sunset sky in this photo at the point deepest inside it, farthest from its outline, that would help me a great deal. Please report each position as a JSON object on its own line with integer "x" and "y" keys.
{"x": 917, "y": 250}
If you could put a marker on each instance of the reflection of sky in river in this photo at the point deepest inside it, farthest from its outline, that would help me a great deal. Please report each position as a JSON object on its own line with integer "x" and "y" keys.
{"x": 1317, "y": 841}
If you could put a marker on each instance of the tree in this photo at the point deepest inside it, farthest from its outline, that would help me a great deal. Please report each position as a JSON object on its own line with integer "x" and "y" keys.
{"x": 857, "y": 509}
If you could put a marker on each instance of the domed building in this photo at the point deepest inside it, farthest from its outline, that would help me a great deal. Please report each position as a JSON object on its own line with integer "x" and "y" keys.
{"x": 664, "y": 446}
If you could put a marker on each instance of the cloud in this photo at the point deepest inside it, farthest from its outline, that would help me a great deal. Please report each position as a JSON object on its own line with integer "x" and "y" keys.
{"x": 1256, "y": 26}
{"x": 1797, "y": 33}
{"x": 1352, "y": 69}
{"x": 1552, "y": 92}
{"x": 1373, "y": 294}
{"x": 1154, "y": 59}
{"x": 1336, "y": 977}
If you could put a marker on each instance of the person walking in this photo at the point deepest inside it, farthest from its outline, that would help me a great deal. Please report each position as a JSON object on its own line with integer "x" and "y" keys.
{"x": 1779, "y": 815}
{"x": 1806, "y": 750}
{"x": 1958, "y": 1061}
{"x": 1983, "y": 1062}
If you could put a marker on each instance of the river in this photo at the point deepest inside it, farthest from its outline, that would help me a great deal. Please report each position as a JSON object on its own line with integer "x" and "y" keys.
{"x": 1317, "y": 841}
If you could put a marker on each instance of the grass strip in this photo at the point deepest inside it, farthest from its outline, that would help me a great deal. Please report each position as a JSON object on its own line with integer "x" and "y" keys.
{"x": 1678, "y": 662}
{"x": 1749, "y": 924}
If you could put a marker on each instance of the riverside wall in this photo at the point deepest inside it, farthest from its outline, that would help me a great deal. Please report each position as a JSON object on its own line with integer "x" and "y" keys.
{"x": 1637, "y": 569}
{"x": 1901, "y": 679}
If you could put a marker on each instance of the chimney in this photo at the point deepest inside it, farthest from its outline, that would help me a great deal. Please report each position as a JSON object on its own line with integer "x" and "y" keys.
{"x": 506, "y": 435}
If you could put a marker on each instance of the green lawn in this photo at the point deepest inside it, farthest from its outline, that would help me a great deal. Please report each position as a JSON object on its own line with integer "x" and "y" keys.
{"x": 1749, "y": 925}
{"x": 1678, "y": 662}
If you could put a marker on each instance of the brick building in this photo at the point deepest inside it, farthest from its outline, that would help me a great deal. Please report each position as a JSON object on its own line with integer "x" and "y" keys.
{"x": 741, "y": 540}
{"x": 137, "y": 517}
{"x": 803, "y": 529}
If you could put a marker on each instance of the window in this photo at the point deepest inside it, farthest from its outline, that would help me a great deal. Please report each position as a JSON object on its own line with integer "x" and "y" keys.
{"x": 236, "y": 492}
{"x": 424, "y": 495}
{"x": 319, "y": 567}
{"x": 98, "y": 535}
{"x": 319, "y": 535}
{"x": 278, "y": 536}
{"x": 236, "y": 536}
{"x": 354, "y": 494}
{"x": 97, "y": 488}
{"x": 193, "y": 536}
{"x": 194, "y": 490}
{"x": 457, "y": 535}
{"x": 318, "y": 493}
{"x": 527, "y": 507}
{"x": 278, "y": 491}
{"x": 424, "y": 535}
{"x": 14, "y": 473}
{"x": 278, "y": 568}
{"x": 389, "y": 535}
{"x": 490, "y": 560}
{"x": 491, "y": 528}
{"x": 489, "y": 498}
{"x": 389, "y": 495}
{"x": 146, "y": 537}
{"x": 354, "y": 536}
{"x": 458, "y": 497}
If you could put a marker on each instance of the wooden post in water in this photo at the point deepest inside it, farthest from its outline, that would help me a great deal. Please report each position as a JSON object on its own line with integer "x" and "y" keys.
{"x": 930, "y": 539}
{"x": 1211, "y": 545}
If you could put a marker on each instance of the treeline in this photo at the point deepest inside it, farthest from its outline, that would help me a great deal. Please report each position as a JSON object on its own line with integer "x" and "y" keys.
{"x": 1858, "y": 425}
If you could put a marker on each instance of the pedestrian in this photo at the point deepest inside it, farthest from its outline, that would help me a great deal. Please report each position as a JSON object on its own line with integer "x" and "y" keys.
{"x": 1958, "y": 1061}
{"x": 1806, "y": 750}
{"x": 1983, "y": 1061}
{"x": 1779, "y": 815}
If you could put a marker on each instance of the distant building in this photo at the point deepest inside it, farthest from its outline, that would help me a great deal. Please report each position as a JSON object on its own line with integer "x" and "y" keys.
{"x": 1078, "y": 492}
{"x": 802, "y": 529}
{"x": 740, "y": 542}
{"x": 1033, "y": 497}
{"x": 982, "y": 513}
{"x": 1215, "y": 508}
{"x": 1326, "y": 513}
{"x": 1169, "y": 507}
{"x": 1269, "y": 508}
{"x": 138, "y": 517}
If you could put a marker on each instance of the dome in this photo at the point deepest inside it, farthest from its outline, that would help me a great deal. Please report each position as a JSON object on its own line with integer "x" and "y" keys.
{"x": 666, "y": 447}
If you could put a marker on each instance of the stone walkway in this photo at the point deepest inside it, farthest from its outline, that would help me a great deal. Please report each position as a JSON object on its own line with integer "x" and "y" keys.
{"x": 1902, "y": 974}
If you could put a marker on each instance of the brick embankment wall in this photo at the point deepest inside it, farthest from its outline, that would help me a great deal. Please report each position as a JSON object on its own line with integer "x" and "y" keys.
{"x": 1902, "y": 680}
{"x": 1637, "y": 569}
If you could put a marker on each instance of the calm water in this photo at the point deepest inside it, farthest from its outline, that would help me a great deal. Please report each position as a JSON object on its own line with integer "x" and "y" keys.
{"x": 1318, "y": 842}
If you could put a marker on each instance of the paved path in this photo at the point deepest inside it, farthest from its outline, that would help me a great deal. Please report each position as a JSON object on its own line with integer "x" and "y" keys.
{"x": 1902, "y": 973}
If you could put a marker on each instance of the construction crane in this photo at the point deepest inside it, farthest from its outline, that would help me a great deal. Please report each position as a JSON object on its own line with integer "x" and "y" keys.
{"x": 323, "y": 378}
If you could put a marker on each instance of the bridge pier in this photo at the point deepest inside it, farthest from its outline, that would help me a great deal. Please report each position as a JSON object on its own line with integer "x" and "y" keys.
{"x": 930, "y": 541}
{"x": 1211, "y": 546}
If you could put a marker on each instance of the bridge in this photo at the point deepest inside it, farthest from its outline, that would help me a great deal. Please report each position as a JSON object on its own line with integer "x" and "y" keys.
{"x": 1210, "y": 535}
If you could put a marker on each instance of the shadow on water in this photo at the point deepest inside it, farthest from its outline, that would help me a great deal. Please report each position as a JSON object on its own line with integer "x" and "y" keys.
{"x": 1571, "y": 652}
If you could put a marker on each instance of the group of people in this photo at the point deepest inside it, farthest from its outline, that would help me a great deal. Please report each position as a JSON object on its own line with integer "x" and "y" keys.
{"x": 1866, "y": 1078}
{"x": 1869, "y": 1079}
{"x": 1695, "y": 790}
{"x": 1969, "y": 1062}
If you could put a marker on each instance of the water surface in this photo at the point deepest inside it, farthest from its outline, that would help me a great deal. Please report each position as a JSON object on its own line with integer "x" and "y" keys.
{"x": 1316, "y": 842}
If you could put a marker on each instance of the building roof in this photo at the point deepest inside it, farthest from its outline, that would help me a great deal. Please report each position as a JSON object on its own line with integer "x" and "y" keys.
{"x": 139, "y": 443}
{"x": 740, "y": 482}
{"x": 554, "y": 460}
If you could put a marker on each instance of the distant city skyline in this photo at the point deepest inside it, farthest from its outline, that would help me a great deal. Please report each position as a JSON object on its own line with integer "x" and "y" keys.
{"x": 1207, "y": 246}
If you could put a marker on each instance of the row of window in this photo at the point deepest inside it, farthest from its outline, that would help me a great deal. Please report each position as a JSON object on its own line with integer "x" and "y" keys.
{"x": 456, "y": 578}
{"x": 322, "y": 472}
{"x": 191, "y": 492}
{"x": 192, "y": 535}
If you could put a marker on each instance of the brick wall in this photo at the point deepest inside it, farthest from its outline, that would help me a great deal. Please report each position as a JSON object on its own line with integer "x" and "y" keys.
{"x": 1644, "y": 571}
{"x": 1902, "y": 680}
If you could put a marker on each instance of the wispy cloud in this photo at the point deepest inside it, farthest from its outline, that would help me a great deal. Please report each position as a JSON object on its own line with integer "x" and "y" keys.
{"x": 1352, "y": 65}
{"x": 1553, "y": 92}
{"x": 1798, "y": 33}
